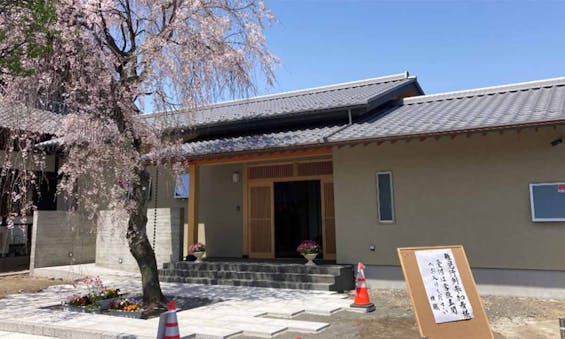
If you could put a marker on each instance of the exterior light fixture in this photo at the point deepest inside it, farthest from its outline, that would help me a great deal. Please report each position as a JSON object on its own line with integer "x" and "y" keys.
{"x": 235, "y": 177}
{"x": 556, "y": 142}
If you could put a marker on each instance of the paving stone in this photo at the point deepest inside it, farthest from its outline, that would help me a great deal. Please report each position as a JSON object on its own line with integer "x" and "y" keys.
{"x": 242, "y": 311}
{"x": 208, "y": 332}
{"x": 299, "y": 326}
{"x": 12, "y": 335}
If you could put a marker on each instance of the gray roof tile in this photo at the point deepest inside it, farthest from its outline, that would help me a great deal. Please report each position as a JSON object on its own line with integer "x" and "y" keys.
{"x": 33, "y": 120}
{"x": 259, "y": 142}
{"x": 493, "y": 107}
{"x": 357, "y": 93}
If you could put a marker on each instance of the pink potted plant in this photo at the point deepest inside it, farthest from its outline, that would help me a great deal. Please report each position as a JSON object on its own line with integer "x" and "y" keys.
{"x": 309, "y": 249}
{"x": 198, "y": 251}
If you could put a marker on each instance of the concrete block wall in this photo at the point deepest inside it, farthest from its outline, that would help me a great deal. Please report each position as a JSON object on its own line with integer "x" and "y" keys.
{"x": 164, "y": 230}
{"x": 61, "y": 238}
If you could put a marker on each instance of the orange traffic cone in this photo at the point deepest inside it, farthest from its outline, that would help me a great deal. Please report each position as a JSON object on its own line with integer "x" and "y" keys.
{"x": 361, "y": 301}
{"x": 168, "y": 324}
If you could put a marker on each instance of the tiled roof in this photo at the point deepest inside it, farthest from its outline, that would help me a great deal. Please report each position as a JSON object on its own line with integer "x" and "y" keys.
{"x": 494, "y": 107}
{"x": 259, "y": 142}
{"x": 27, "y": 119}
{"x": 345, "y": 95}
{"x": 491, "y": 107}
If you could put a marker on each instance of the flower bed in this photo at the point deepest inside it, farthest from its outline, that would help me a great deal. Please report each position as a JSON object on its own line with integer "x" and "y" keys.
{"x": 96, "y": 299}
{"x": 127, "y": 308}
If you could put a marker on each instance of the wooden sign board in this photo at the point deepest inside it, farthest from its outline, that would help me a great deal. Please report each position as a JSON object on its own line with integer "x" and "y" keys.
{"x": 476, "y": 326}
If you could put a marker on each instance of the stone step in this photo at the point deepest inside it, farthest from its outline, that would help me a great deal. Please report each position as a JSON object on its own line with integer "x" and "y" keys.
{"x": 251, "y": 283}
{"x": 238, "y": 275}
{"x": 263, "y": 267}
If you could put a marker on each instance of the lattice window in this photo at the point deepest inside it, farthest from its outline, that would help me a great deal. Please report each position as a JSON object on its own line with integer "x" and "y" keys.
{"x": 315, "y": 168}
{"x": 272, "y": 171}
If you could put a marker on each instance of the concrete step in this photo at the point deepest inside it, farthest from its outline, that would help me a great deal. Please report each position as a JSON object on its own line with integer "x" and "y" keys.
{"x": 262, "y": 267}
{"x": 259, "y": 274}
{"x": 296, "y": 277}
{"x": 251, "y": 283}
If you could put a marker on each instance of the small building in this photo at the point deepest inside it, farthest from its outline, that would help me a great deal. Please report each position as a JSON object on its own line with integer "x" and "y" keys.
{"x": 368, "y": 166}
{"x": 15, "y": 242}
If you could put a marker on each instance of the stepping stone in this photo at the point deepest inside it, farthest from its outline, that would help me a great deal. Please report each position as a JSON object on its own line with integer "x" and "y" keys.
{"x": 207, "y": 332}
{"x": 300, "y": 326}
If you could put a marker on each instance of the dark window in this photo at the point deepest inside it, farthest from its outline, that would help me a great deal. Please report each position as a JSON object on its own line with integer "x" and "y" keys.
{"x": 47, "y": 199}
{"x": 385, "y": 197}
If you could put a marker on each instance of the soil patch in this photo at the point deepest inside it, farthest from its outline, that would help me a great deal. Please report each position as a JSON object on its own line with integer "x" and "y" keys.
{"x": 509, "y": 317}
{"x": 24, "y": 283}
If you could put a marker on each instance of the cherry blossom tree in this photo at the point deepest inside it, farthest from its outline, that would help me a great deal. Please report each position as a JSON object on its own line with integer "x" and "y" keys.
{"x": 109, "y": 58}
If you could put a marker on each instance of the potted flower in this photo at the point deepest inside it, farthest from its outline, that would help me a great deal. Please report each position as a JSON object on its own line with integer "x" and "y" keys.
{"x": 81, "y": 303}
{"x": 309, "y": 249}
{"x": 198, "y": 250}
{"x": 127, "y": 308}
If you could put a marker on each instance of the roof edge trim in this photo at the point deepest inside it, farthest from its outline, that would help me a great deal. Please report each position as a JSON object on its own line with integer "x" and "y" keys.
{"x": 485, "y": 90}
{"x": 311, "y": 90}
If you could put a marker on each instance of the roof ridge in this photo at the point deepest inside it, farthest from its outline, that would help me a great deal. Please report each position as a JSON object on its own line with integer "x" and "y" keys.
{"x": 485, "y": 90}
{"x": 298, "y": 92}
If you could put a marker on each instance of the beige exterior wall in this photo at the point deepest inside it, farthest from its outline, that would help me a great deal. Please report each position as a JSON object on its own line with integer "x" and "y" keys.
{"x": 468, "y": 190}
{"x": 220, "y": 210}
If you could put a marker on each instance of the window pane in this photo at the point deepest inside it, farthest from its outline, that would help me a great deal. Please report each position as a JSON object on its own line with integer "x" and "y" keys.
{"x": 384, "y": 182}
{"x": 181, "y": 187}
{"x": 547, "y": 201}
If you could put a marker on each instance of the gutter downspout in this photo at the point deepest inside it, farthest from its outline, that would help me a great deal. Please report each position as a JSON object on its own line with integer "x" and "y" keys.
{"x": 325, "y": 139}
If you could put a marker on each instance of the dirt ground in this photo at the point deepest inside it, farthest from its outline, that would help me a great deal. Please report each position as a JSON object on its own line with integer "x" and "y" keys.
{"x": 510, "y": 318}
{"x": 23, "y": 283}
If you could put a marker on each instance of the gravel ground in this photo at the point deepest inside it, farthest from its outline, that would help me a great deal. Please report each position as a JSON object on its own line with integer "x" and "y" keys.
{"x": 510, "y": 318}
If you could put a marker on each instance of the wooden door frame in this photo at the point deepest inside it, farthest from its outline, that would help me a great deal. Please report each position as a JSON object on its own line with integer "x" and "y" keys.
{"x": 327, "y": 256}
{"x": 248, "y": 183}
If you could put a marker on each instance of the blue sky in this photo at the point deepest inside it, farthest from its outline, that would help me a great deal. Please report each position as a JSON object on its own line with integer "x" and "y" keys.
{"x": 449, "y": 45}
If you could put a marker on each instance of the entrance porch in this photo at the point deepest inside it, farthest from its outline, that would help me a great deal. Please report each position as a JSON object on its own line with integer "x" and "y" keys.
{"x": 252, "y": 212}
{"x": 262, "y": 206}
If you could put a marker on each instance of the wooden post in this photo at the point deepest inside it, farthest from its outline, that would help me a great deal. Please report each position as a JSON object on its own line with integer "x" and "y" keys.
{"x": 245, "y": 207}
{"x": 191, "y": 228}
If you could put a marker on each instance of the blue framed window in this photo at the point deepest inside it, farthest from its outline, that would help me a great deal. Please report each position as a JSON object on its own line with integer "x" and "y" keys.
{"x": 182, "y": 186}
{"x": 547, "y": 201}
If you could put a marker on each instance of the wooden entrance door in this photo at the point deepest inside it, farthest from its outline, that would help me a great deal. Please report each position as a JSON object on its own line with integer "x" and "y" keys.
{"x": 261, "y": 235}
{"x": 259, "y": 216}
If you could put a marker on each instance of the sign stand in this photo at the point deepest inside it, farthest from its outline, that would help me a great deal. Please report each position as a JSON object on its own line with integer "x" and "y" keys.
{"x": 476, "y": 328}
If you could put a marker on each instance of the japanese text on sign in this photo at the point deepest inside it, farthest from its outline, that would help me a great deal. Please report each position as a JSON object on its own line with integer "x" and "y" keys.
{"x": 443, "y": 285}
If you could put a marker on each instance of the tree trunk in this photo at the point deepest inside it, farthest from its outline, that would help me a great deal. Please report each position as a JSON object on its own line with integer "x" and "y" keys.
{"x": 140, "y": 247}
